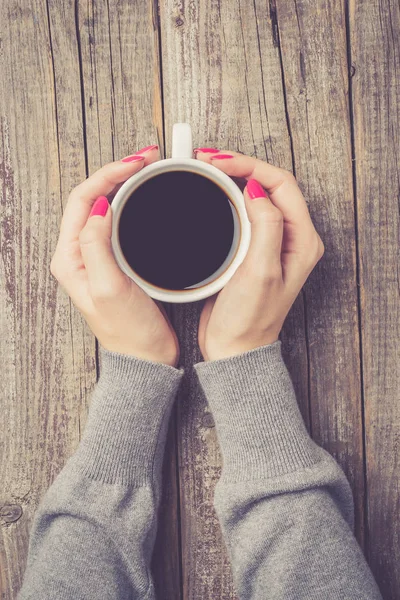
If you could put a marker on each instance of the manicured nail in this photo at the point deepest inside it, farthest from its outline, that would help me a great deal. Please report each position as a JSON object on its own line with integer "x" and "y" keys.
{"x": 221, "y": 156}
{"x": 146, "y": 149}
{"x": 132, "y": 158}
{"x": 255, "y": 190}
{"x": 206, "y": 150}
{"x": 100, "y": 207}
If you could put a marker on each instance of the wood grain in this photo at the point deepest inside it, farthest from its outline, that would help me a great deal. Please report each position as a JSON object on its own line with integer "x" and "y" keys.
{"x": 121, "y": 72}
{"x": 47, "y": 358}
{"x": 375, "y": 55}
{"x": 80, "y": 56}
{"x": 313, "y": 44}
{"x": 91, "y": 81}
{"x": 119, "y": 44}
{"x": 222, "y": 74}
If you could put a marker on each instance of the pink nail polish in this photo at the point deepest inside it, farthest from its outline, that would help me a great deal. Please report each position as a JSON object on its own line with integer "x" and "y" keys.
{"x": 206, "y": 150}
{"x": 221, "y": 156}
{"x": 146, "y": 149}
{"x": 100, "y": 207}
{"x": 255, "y": 190}
{"x": 132, "y": 158}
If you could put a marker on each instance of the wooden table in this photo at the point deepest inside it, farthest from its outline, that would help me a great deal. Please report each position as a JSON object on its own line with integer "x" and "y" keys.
{"x": 306, "y": 84}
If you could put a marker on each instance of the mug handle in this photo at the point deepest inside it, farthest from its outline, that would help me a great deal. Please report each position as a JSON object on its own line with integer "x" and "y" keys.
{"x": 182, "y": 141}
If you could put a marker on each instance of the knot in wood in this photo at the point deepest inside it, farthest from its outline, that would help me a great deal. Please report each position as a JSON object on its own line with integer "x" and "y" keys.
{"x": 9, "y": 513}
{"x": 208, "y": 420}
{"x": 179, "y": 22}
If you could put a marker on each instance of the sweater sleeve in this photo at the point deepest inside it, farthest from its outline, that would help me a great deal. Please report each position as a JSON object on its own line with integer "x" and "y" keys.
{"x": 94, "y": 531}
{"x": 285, "y": 506}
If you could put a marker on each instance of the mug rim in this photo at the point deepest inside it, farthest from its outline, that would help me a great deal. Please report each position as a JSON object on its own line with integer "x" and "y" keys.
{"x": 220, "y": 178}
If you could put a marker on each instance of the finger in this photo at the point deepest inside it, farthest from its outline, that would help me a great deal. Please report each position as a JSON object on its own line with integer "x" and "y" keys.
{"x": 210, "y": 154}
{"x": 105, "y": 278}
{"x": 151, "y": 154}
{"x": 81, "y": 199}
{"x": 281, "y": 185}
{"x": 263, "y": 259}
{"x": 203, "y": 322}
{"x": 101, "y": 183}
{"x": 205, "y": 154}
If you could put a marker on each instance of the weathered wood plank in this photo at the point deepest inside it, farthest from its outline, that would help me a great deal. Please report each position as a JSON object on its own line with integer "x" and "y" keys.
{"x": 122, "y": 101}
{"x": 222, "y": 74}
{"x": 375, "y": 53}
{"x": 47, "y": 357}
{"x": 121, "y": 72}
{"x": 313, "y": 45}
{"x": 226, "y": 68}
{"x": 122, "y": 97}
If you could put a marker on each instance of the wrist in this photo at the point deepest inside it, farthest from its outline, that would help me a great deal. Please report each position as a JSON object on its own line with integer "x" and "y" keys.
{"x": 128, "y": 416}
{"x": 218, "y": 351}
{"x": 258, "y": 422}
{"x": 167, "y": 354}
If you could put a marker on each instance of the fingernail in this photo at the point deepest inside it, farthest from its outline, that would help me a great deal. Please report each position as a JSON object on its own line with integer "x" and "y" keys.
{"x": 132, "y": 158}
{"x": 100, "y": 207}
{"x": 221, "y": 156}
{"x": 206, "y": 150}
{"x": 255, "y": 190}
{"x": 146, "y": 149}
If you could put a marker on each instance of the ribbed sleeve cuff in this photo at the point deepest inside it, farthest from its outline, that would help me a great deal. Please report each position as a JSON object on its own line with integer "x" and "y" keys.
{"x": 259, "y": 425}
{"x": 128, "y": 418}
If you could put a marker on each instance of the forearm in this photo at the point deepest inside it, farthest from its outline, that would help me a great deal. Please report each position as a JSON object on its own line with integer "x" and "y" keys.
{"x": 284, "y": 504}
{"x": 94, "y": 531}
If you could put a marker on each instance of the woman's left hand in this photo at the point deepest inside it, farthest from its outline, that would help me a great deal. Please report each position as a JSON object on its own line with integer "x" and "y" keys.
{"x": 119, "y": 313}
{"x": 285, "y": 247}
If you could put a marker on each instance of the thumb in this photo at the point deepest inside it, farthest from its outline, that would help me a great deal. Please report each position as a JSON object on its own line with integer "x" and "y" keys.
{"x": 264, "y": 254}
{"x": 104, "y": 275}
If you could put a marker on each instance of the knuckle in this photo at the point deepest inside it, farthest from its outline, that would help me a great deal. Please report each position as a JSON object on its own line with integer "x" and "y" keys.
{"x": 87, "y": 236}
{"x": 55, "y": 268}
{"x": 320, "y": 249}
{"x": 270, "y": 214}
{"x": 107, "y": 169}
{"x": 109, "y": 290}
{"x": 315, "y": 250}
{"x": 74, "y": 191}
{"x": 287, "y": 175}
{"x": 103, "y": 293}
{"x": 77, "y": 190}
{"x": 273, "y": 274}
{"x": 258, "y": 272}
{"x": 107, "y": 174}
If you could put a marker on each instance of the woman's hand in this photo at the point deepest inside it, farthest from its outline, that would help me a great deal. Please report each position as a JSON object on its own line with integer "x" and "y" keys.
{"x": 249, "y": 312}
{"x": 120, "y": 314}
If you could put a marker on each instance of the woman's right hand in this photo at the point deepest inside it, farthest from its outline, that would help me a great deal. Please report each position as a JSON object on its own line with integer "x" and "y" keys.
{"x": 249, "y": 312}
{"x": 120, "y": 314}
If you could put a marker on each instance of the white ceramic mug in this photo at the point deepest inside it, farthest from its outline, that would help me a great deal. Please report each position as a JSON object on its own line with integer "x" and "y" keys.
{"x": 182, "y": 152}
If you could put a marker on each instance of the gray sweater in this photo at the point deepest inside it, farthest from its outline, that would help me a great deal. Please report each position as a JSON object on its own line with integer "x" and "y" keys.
{"x": 284, "y": 504}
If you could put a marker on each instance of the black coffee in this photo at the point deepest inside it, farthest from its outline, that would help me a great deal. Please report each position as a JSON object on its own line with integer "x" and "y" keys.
{"x": 176, "y": 229}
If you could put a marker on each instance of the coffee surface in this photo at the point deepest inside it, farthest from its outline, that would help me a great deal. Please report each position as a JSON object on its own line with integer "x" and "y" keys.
{"x": 176, "y": 229}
